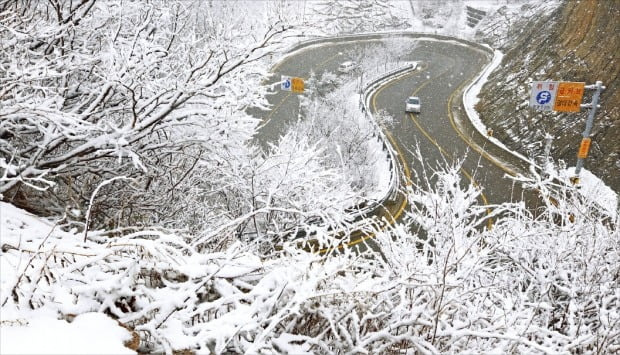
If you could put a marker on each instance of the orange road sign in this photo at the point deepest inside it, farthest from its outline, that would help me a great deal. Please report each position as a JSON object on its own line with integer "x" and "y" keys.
{"x": 297, "y": 84}
{"x": 568, "y": 97}
{"x": 584, "y": 148}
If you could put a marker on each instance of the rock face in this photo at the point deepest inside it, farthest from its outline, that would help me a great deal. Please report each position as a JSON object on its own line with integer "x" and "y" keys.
{"x": 579, "y": 41}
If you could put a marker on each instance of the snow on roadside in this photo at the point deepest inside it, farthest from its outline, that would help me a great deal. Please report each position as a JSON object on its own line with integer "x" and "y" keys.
{"x": 88, "y": 333}
{"x": 590, "y": 184}
{"x": 593, "y": 189}
{"x": 375, "y": 154}
{"x": 40, "y": 331}
{"x": 470, "y": 99}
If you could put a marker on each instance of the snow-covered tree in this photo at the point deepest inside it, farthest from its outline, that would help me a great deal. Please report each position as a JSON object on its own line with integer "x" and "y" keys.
{"x": 442, "y": 282}
{"x": 132, "y": 113}
{"x": 353, "y": 144}
{"x": 356, "y": 16}
{"x": 97, "y": 89}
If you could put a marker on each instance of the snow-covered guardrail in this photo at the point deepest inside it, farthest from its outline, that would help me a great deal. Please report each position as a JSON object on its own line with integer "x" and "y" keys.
{"x": 394, "y": 185}
{"x": 367, "y": 208}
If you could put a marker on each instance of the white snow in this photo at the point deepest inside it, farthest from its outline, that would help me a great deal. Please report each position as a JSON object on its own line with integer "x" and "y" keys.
{"x": 376, "y": 154}
{"x": 88, "y": 333}
{"x": 470, "y": 99}
{"x": 592, "y": 186}
{"x": 593, "y": 189}
{"x": 214, "y": 292}
{"x": 40, "y": 331}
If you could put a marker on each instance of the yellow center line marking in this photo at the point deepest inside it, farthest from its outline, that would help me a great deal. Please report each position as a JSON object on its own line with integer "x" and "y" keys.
{"x": 275, "y": 109}
{"x": 469, "y": 141}
{"x": 442, "y": 150}
{"x": 403, "y": 163}
{"x": 462, "y": 170}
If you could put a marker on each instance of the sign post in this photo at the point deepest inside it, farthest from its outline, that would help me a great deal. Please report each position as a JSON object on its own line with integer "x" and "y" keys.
{"x": 589, "y": 123}
{"x": 566, "y": 96}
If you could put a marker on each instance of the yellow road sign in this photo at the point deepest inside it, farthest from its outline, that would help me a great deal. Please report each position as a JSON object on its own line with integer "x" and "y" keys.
{"x": 584, "y": 148}
{"x": 568, "y": 97}
{"x": 297, "y": 84}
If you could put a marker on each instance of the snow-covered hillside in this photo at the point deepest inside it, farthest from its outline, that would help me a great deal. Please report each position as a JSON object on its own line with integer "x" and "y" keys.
{"x": 137, "y": 214}
{"x": 529, "y": 285}
{"x": 576, "y": 42}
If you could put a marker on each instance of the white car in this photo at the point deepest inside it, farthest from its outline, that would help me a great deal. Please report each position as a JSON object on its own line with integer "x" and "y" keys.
{"x": 347, "y": 67}
{"x": 412, "y": 104}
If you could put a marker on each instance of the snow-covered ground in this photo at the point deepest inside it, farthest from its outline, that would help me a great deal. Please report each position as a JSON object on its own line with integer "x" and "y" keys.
{"x": 88, "y": 333}
{"x": 232, "y": 301}
{"x": 593, "y": 189}
{"x": 40, "y": 331}
{"x": 210, "y": 292}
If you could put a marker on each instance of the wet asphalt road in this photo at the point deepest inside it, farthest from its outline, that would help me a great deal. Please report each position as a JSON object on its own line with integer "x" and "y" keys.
{"x": 445, "y": 70}
{"x": 441, "y": 130}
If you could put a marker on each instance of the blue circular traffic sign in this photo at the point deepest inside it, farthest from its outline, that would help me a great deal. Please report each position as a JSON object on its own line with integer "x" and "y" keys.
{"x": 543, "y": 97}
{"x": 286, "y": 84}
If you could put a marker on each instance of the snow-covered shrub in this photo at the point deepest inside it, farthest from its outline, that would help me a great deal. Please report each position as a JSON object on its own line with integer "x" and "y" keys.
{"x": 353, "y": 145}
{"x": 442, "y": 282}
{"x": 530, "y": 284}
{"x": 167, "y": 288}
{"x": 355, "y": 16}
{"x": 97, "y": 89}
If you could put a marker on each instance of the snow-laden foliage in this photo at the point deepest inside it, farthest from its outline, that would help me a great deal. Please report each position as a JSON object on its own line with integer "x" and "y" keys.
{"x": 126, "y": 114}
{"x": 442, "y": 283}
{"x": 376, "y": 58}
{"x": 151, "y": 91}
{"x": 504, "y": 23}
{"x": 356, "y": 16}
{"x": 336, "y": 121}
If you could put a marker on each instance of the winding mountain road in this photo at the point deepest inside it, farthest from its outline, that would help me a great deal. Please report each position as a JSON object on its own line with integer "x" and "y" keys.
{"x": 441, "y": 130}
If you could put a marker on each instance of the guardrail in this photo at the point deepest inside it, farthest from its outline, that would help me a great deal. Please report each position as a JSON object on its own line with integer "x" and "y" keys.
{"x": 394, "y": 185}
{"x": 368, "y": 207}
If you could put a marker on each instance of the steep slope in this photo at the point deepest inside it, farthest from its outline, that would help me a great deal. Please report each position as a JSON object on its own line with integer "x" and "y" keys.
{"x": 579, "y": 41}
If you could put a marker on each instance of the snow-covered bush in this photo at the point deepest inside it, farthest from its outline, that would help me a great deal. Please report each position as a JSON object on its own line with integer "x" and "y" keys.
{"x": 442, "y": 282}
{"x": 130, "y": 114}
{"x": 353, "y": 146}
{"x": 356, "y": 16}
{"x": 529, "y": 284}
{"x": 91, "y": 90}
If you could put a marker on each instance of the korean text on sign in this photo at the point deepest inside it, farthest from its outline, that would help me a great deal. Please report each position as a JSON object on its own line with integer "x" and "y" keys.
{"x": 543, "y": 95}
{"x": 584, "y": 148}
{"x": 569, "y": 96}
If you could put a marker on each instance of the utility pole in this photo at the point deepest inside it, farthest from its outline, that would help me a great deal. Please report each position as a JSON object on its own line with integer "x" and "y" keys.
{"x": 585, "y": 142}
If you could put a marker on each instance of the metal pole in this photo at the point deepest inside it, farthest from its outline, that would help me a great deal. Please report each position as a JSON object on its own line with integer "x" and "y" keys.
{"x": 586, "y": 133}
{"x": 548, "y": 142}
